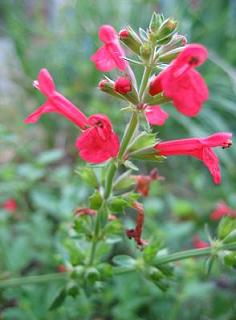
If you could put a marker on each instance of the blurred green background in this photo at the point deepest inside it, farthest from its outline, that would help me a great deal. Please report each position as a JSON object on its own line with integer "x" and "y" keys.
{"x": 37, "y": 162}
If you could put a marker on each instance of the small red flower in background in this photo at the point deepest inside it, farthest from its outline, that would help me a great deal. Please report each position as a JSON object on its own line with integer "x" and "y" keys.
{"x": 156, "y": 115}
{"x": 200, "y": 148}
{"x": 199, "y": 244}
{"x": 62, "y": 268}
{"x": 222, "y": 209}
{"x": 181, "y": 83}
{"x": 110, "y": 55}
{"x": 143, "y": 182}
{"x": 10, "y": 205}
{"x": 98, "y": 142}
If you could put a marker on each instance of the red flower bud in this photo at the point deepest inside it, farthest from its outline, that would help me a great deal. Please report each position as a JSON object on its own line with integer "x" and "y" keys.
{"x": 124, "y": 33}
{"x": 123, "y": 85}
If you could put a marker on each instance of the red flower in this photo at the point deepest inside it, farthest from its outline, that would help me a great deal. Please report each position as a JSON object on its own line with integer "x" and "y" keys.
{"x": 156, "y": 115}
{"x": 10, "y": 205}
{"x": 222, "y": 209}
{"x": 199, "y": 244}
{"x": 110, "y": 55}
{"x": 123, "y": 85}
{"x": 181, "y": 83}
{"x": 200, "y": 148}
{"x": 136, "y": 233}
{"x": 98, "y": 142}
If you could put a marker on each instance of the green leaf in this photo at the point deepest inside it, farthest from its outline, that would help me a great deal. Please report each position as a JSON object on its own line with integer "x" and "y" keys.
{"x": 118, "y": 204}
{"x": 209, "y": 264}
{"x": 128, "y": 164}
{"x": 143, "y": 34}
{"x": 95, "y": 200}
{"x": 124, "y": 261}
{"x": 226, "y": 226}
{"x": 125, "y": 181}
{"x": 58, "y": 300}
{"x": 142, "y": 141}
{"x": 88, "y": 175}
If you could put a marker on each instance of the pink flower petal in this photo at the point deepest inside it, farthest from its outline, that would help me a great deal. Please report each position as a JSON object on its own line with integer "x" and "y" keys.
{"x": 156, "y": 115}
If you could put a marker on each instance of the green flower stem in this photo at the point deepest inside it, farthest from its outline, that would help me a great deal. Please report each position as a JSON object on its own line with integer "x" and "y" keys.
{"x": 33, "y": 279}
{"x": 193, "y": 253}
{"x": 95, "y": 236}
{"x": 110, "y": 177}
{"x": 144, "y": 82}
{"x": 129, "y": 132}
{"x": 119, "y": 270}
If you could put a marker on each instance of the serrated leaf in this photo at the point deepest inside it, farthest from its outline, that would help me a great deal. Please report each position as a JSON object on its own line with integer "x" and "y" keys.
{"x": 58, "y": 300}
{"x": 95, "y": 200}
{"x": 143, "y": 140}
{"x": 88, "y": 175}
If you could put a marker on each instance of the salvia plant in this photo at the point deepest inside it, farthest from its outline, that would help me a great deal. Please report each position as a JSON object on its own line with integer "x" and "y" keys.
{"x": 169, "y": 76}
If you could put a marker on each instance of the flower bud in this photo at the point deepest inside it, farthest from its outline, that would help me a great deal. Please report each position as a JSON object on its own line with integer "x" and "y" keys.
{"x": 155, "y": 22}
{"x": 123, "y": 85}
{"x": 166, "y": 29}
{"x": 130, "y": 38}
{"x": 145, "y": 51}
{"x": 169, "y": 56}
{"x": 176, "y": 41}
{"x": 107, "y": 86}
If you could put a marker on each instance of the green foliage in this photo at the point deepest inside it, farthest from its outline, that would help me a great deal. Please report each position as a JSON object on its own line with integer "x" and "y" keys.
{"x": 34, "y": 239}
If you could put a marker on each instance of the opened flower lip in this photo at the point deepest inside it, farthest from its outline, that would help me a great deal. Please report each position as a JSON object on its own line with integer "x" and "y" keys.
{"x": 97, "y": 142}
{"x": 110, "y": 55}
{"x": 182, "y": 83}
{"x": 199, "y": 148}
{"x": 156, "y": 115}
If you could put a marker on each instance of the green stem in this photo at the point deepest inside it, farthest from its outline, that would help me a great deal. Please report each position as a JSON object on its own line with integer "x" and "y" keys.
{"x": 144, "y": 82}
{"x": 95, "y": 237}
{"x": 33, "y": 279}
{"x": 119, "y": 270}
{"x": 129, "y": 132}
{"x": 193, "y": 253}
{"x": 110, "y": 177}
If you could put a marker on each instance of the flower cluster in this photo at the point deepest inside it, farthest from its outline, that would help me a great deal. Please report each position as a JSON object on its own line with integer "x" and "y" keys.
{"x": 170, "y": 76}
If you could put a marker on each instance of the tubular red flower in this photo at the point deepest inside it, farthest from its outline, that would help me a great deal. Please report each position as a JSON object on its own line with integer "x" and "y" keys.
{"x": 123, "y": 85}
{"x": 98, "y": 142}
{"x": 56, "y": 102}
{"x": 110, "y": 55}
{"x": 181, "y": 83}
{"x": 156, "y": 115}
{"x": 199, "y": 148}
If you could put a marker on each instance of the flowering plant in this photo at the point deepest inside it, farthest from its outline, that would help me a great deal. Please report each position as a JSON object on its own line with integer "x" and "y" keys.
{"x": 169, "y": 76}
